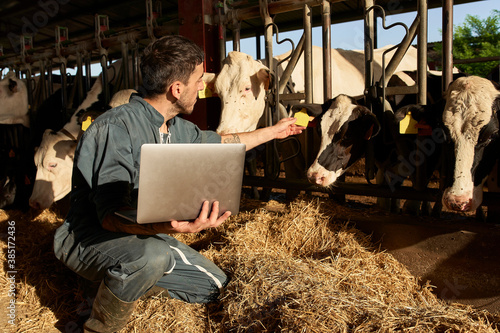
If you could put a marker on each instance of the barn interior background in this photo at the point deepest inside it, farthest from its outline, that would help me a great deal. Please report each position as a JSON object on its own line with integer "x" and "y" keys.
{"x": 61, "y": 34}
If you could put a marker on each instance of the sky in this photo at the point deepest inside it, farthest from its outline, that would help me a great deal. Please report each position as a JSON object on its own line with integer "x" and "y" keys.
{"x": 349, "y": 35}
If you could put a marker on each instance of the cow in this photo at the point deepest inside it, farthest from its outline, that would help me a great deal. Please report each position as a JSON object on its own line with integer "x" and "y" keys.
{"x": 15, "y": 150}
{"x": 54, "y": 156}
{"x": 14, "y": 101}
{"x": 470, "y": 117}
{"x": 345, "y": 128}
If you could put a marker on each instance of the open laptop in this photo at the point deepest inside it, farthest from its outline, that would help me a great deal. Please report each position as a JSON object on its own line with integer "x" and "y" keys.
{"x": 175, "y": 180}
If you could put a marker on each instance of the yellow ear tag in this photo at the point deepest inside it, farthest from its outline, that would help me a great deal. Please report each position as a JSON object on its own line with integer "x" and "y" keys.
{"x": 302, "y": 118}
{"x": 86, "y": 123}
{"x": 408, "y": 125}
{"x": 206, "y": 92}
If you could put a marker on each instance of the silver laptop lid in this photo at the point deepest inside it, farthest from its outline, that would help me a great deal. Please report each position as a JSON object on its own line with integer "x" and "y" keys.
{"x": 175, "y": 179}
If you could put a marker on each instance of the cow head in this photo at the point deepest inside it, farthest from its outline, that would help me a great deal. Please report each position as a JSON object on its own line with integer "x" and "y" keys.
{"x": 241, "y": 86}
{"x": 345, "y": 128}
{"x": 471, "y": 117}
{"x": 54, "y": 162}
{"x": 13, "y": 101}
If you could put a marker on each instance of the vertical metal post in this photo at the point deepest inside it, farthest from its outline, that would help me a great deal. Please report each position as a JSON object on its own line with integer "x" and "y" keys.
{"x": 43, "y": 80}
{"x": 422, "y": 53}
{"x": 308, "y": 139}
{"x": 125, "y": 65}
{"x": 88, "y": 73}
{"x": 369, "y": 23}
{"x": 222, "y": 34}
{"x": 257, "y": 45}
{"x": 135, "y": 70}
{"x": 327, "y": 50}
{"x": 236, "y": 35}
{"x": 79, "y": 77}
{"x": 447, "y": 59}
{"x": 64, "y": 87}
{"x": 421, "y": 157}
{"x": 270, "y": 169}
{"x": 50, "y": 81}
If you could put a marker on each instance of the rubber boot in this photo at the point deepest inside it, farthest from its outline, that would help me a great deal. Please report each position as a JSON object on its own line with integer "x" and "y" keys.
{"x": 109, "y": 313}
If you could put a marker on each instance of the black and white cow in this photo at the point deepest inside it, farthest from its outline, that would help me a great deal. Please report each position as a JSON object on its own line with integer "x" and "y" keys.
{"x": 471, "y": 119}
{"x": 345, "y": 128}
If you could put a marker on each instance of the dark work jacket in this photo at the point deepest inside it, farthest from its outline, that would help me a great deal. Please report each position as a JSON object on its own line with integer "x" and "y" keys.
{"x": 106, "y": 165}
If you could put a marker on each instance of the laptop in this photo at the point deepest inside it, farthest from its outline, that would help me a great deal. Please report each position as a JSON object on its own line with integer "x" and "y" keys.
{"x": 175, "y": 179}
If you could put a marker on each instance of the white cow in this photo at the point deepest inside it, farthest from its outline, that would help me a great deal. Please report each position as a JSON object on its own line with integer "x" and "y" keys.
{"x": 242, "y": 82}
{"x": 13, "y": 101}
{"x": 471, "y": 117}
{"x": 54, "y": 157}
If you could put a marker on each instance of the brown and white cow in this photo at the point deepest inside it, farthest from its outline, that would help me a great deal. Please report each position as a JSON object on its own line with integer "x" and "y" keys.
{"x": 471, "y": 117}
{"x": 242, "y": 82}
{"x": 54, "y": 156}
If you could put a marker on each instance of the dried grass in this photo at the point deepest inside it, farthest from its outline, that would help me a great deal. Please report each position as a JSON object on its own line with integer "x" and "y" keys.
{"x": 294, "y": 268}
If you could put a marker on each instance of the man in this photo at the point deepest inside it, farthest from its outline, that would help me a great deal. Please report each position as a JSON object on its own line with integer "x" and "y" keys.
{"x": 129, "y": 259}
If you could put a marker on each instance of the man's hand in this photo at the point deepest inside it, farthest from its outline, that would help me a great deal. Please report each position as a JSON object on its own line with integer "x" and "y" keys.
{"x": 203, "y": 221}
{"x": 115, "y": 223}
{"x": 286, "y": 127}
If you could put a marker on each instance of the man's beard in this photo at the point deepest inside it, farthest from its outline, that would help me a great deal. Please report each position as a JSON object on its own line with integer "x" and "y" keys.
{"x": 184, "y": 107}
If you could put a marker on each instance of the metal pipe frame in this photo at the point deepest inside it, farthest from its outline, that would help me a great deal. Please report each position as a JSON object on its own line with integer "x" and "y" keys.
{"x": 326, "y": 29}
{"x": 447, "y": 44}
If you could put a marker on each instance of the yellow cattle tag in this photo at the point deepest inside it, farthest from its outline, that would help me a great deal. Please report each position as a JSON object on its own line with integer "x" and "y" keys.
{"x": 86, "y": 123}
{"x": 408, "y": 125}
{"x": 206, "y": 92}
{"x": 302, "y": 118}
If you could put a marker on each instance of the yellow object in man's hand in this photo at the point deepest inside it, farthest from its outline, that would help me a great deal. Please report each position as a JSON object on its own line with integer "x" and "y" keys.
{"x": 302, "y": 118}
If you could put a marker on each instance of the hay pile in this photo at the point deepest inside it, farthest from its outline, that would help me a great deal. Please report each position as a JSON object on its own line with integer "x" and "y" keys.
{"x": 293, "y": 268}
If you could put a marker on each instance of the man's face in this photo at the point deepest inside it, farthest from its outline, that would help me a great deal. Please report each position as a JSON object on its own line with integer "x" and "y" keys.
{"x": 189, "y": 95}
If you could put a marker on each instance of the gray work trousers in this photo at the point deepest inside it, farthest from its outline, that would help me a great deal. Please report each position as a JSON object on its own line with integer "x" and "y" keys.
{"x": 132, "y": 264}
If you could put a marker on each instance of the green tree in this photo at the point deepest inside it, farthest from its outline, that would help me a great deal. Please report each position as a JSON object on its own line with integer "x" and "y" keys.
{"x": 476, "y": 38}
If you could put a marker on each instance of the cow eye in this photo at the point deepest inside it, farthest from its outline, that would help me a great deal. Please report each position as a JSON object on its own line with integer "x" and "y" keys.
{"x": 52, "y": 166}
{"x": 248, "y": 88}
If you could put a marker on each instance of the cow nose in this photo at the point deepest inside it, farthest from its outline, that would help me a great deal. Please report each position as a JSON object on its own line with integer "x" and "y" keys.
{"x": 315, "y": 178}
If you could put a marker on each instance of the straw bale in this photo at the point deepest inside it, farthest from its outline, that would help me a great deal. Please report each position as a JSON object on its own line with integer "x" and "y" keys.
{"x": 293, "y": 268}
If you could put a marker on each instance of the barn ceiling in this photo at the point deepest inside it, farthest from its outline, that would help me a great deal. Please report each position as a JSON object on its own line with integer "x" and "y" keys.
{"x": 40, "y": 19}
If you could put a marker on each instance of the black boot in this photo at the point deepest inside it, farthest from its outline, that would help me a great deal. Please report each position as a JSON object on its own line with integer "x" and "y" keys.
{"x": 109, "y": 313}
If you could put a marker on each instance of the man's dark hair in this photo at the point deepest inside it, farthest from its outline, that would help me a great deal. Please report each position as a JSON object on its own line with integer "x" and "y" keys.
{"x": 168, "y": 59}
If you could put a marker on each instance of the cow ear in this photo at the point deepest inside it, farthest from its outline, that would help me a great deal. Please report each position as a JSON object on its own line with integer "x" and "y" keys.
{"x": 370, "y": 124}
{"x": 209, "y": 79}
{"x": 264, "y": 76}
{"x": 313, "y": 110}
{"x": 496, "y": 105}
{"x": 415, "y": 109}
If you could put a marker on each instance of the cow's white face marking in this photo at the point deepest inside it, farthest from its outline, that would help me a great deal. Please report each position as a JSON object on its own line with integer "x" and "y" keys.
{"x": 241, "y": 87}
{"x": 468, "y": 109}
{"x": 340, "y": 112}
